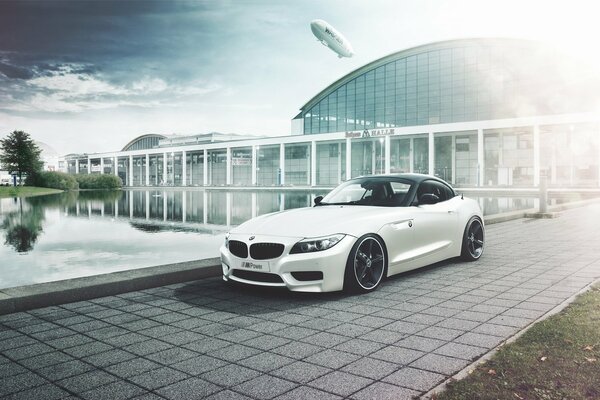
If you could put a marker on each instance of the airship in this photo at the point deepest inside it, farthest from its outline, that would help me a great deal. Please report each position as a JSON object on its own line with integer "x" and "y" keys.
{"x": 330, "y": 37}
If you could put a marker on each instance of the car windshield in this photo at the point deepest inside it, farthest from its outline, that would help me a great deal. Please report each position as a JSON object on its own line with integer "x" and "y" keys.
{"x": 383, "y": 192}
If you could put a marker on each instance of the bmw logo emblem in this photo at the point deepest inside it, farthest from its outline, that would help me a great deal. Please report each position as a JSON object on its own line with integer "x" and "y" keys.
{"x": 251, "y": 238}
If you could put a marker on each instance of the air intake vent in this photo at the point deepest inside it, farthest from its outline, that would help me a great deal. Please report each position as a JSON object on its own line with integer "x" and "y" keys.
{"x": 257, "y": 276}
{"x": 308, "y": 275}
{"x": 265, "y": 251}
{"x": 238, "y": 249}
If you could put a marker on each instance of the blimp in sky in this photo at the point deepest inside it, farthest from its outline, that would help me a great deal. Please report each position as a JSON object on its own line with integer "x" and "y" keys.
{"x": 330, "y": 37}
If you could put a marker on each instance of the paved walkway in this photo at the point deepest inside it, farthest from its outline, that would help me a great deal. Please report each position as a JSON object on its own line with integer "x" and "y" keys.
{"x": 203, "y": 339}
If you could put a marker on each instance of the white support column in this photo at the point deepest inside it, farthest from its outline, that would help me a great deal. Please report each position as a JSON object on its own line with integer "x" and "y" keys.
{"x": 431, "y": 154}
{"x": 191, "y": 171}
{"x": 204, "y": 207}
{"x": 411, "y": 156}
{"x": 254, "y": 205}
{"x": 228, "y": 168}
{"x": 115, "y": 166}
{"x": 183, "y": 168}
{"x": 373, "y": 158}
{"x": 88, "y": 205}
{"x": 281, "y": 201}
{"x": 130, "y": 171}
{"x": 164, "y": 199}
{"x": 165, "y": 175}
{"x": 183, "y": 206}
{"x": 313, "y": 163}
{"x": 387, "y": 154}
{"x": 205, "y": 170}
{"x": 453, "y": 159}
{"x": 101, "y": 165}
{"x": 102, "y": 209}
{"x": 339, "y": 163}
{"x": 254, "y": 152}
{"x": 536, "y": 155}
{"x": 348, "y": 158}
{"x": 77, "y": 208}
{"x": 116, "y": 208}
{"x": 147, "y": 204}
{"x": 147, "y": 169}
{"x": 480, "y": 159}
{"x": 228, "y": 209}
{"x": 77, "y": 166}
{"x": 89, "y": 165}
{"x": 282, "y": 164}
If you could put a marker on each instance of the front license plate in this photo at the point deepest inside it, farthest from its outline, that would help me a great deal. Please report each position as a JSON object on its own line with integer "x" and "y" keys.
{"x": 255, "y": 266}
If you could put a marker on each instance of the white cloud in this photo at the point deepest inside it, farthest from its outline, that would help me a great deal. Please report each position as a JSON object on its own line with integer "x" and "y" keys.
{"x": 68, "y": 90}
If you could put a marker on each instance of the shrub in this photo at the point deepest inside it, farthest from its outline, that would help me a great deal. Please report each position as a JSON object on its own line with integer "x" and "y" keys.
{"x": 103, "y": 181}
{"x": 53, "y": 180}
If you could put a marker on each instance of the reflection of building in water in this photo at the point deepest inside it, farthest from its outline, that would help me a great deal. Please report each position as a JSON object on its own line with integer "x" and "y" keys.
{"x": 476, "y": 112}
{"x": 214, "y": 210}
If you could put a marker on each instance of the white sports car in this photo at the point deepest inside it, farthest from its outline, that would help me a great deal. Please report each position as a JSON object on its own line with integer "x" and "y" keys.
{"x": 365, "y": 229}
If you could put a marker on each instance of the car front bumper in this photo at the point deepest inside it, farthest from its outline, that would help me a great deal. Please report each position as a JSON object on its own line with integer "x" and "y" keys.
{"x": 331, "y": 263}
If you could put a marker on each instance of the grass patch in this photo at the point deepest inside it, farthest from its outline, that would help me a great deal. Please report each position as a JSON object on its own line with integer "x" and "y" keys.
{"x": 558, "y": 358}
{"x": 25, "y": 191}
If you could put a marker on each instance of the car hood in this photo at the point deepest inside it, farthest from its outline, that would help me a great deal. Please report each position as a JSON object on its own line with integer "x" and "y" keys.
{"x": 323, "y": 220}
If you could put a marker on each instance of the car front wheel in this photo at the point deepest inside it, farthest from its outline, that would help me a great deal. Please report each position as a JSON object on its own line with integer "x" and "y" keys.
{"x": 366, "y": 265}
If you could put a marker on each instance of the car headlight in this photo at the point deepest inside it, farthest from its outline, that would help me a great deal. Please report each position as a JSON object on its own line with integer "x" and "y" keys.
{"x": 316, "y": 244}
{"x": 227, "y": 240}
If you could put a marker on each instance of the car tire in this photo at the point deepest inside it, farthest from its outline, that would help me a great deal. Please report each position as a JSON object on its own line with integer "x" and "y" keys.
{"x": 366, "y": 266}
{"x": 473, "y": 240}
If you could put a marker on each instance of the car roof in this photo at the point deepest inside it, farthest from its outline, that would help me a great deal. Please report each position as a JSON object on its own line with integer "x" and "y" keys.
{"x": 416, "y": 178}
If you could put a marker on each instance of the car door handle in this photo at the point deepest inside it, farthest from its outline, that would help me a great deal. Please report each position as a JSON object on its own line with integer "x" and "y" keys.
{"x": 450, "y": 211}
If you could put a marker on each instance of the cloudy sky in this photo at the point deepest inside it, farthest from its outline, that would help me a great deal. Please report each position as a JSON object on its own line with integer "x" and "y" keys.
{"x": 88, "y": 76}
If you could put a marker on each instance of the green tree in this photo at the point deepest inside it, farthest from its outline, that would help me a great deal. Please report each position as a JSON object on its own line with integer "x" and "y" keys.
{"x": 20, "y": 155}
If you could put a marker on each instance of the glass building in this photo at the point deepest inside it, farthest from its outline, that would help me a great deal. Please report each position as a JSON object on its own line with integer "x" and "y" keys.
{"x": 475, "y": 112}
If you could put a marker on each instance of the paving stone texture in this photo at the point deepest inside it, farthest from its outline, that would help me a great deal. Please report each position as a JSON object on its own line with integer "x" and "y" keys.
{"x": 204, "y": 339}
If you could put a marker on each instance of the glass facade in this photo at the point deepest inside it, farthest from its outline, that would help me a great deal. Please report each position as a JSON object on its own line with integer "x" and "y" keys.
{"x": 195, "y": 168}
{"x": 268, "y": 171}
{"x": 217, "y": 167}
{"x": 579, "y": 166}
{"x": 466, "y": 164}
{"x": 297, "y": 164}
{"x": 241, "y": 166}
{"x": 455, "y": 81}
{"x": 331, "y": 163}
{"x": 509, "y": 157}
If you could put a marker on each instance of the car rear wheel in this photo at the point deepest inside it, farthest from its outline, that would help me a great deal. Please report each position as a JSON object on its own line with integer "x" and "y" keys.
{"x": 473, "y": 240}
{"x": 366, "y": 265}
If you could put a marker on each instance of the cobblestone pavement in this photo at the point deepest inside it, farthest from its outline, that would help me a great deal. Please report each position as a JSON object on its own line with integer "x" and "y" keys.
{"x": 203, "y": 339}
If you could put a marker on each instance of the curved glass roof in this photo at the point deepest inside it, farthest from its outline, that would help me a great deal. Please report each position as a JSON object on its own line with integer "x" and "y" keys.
{"x": 451, "y": 81}
{"x": 143, "y": 142}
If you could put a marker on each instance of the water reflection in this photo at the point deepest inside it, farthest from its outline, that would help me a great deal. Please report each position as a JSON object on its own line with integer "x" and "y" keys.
{"x": 22, "y": 227}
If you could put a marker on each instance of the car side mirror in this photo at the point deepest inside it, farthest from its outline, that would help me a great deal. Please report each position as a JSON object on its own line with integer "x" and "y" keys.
{"x": 317, "y": 200}
{"x": 428, "y": 198}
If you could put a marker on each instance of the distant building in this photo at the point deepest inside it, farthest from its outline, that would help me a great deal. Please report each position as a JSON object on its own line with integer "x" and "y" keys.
{"x": 475, "y": 112}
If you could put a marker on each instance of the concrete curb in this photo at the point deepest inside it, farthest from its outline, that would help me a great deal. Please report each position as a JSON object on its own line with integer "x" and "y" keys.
{"x": 530, "y": 213}
{"x": 463, "y": 373}
{"x": 23, "y": 298}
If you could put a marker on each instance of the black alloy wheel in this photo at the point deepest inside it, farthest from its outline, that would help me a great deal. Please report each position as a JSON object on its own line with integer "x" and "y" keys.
{"x": 473, "y": 240}
{"x": 366, "y": 264}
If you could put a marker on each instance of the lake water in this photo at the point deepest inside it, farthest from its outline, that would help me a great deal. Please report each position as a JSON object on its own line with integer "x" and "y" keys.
{"x": 68, "y": 235}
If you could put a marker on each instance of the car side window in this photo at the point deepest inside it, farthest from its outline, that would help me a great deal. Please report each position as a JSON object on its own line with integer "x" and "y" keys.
{"x": 439, "y": 189}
